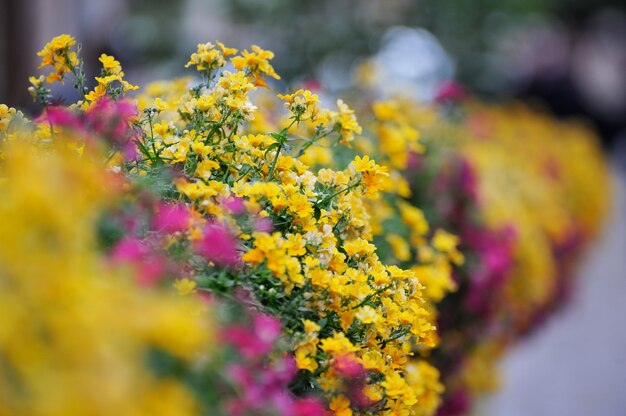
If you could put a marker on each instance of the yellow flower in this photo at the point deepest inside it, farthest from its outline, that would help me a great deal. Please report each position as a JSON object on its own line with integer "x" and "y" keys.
{"x": 57, "y": 54}
{"x": 444, "y": 241}
{"x": 299, "y": 205}
{"x": 36, "y": 81}
{"x": 110, "y": 64}
{"x": 310, "y": 326}
{"x": 302, "y": 104}
{"x": 338, "y": 344}
{"x": 367, "y": 315}
{"x": 6, "y": 115}
{"x": 205, "y": 102}
{"x": 394, "y": 384}
{"x": 205, "y": 168}
{"x": 340, "y": 405}
{"x": 185, "y": 286}
{"x": 373, "y": 360}
{"x": 413, "y": 217}
{"x": 363, "y": 164}
{"x": 208, "y": 57}
{"x": 358, "y": 247}
{"x": 305, "y": 361}
{"x": 423, "y": 379}
{"x": 257, "y": 63}
{"x": 399, "y": 246}
{"x": 295, "y": 245}
{"x": 348, "y": 124}
{"x": 98, "y": 322}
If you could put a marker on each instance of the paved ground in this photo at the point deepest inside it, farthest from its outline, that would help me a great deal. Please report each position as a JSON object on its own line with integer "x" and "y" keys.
{"x": 576, "y": 364}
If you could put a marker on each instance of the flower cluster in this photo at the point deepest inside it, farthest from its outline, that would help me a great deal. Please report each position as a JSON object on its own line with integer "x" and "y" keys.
{"x": 201, "y": 249}
{"x": 58, "y": 54}
{"x": 75, "y": 331}
{"x": 304, "y": 237}
{"x": 262, "y": 381}
{"x": 215, "y": 203}
{"x": 111, "y": 73}
{"x": 98, "y": 331}
{"x": 485, "y": 173}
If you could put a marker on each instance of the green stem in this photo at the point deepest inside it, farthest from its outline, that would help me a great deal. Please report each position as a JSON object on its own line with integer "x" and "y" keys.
{"x": 395, "y": 337}
{"x": 156, "y": 154}
{"x": 78, "y": 73}
{"x": 331, "y": 196}
{"x": 281, "y": 142}
{"x": 370, "y": 296}
{"x": 311, "y": 142}
{"x": 271, "y": 173}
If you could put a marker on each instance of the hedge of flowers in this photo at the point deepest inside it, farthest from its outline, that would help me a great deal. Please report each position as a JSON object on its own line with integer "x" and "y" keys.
{"x": 508, "y": 180}
{"x": 201, "y": 249}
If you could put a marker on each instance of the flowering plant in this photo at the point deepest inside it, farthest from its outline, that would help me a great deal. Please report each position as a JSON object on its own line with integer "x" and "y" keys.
{"x": 220, "y": 204}
{"x": 482, "y": 172}
{"x": 332, "y": 281}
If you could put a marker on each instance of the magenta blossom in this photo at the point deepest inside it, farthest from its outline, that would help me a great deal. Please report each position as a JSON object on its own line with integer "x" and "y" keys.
{"x": 150, "y": 266}
{"x": 235, "y": 205}
{"x": 468, "y": 181}
{"x": 266, "y": 327}
{"x": 450, "y": 91}
{"x": 347, "y": 366}
{"x": 218, "y": 245}
{"x": 61, "y": 117}
{"x": 457, "y": 403}
{"x": 257, "y": 341}
{"x": 262, "y": 382}
{"x": 354, "y": 377}
{"x": 308, "y": 406}
{"x": 263, "y": 225}
{"x": 171, "y": 218}
{"x": 414, "y": 161}
{"x": 112, "y": 119}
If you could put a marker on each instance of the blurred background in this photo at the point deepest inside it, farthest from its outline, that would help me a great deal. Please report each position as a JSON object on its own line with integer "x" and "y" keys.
{"x": 568, "y": 55}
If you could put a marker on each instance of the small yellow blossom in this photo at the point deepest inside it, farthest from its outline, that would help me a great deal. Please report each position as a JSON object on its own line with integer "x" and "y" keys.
{"x": 340, "y": 405}
{"x": 57, "y": 54}
{"x": 110, "y": 64}
{"x": 185, "y": 286}
{"x": 257, "y": 64}
{"x": 209, "y": 57}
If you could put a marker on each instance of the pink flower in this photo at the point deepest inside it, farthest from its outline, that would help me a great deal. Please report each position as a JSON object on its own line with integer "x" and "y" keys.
{"x": 171, "y": 218}
{"x": 257, "y": 341}
{"x": 61, "y": 117}
{"x": 129, "y": 150}
{"x": 149, "y": 265}
{"x": 266, "y": 327}
{"x": 456, "y": 403}
{"x": 450, "y": 91}
{"x": 263, "y": 225}
{"x": 308, "y": 406}
{"x": 206, "y": 297}
{"x": 495, "y": 252}
{"x": 241, "y": 375}
{"x": 112, "y": 119}
{"x": 349, "y": 367}
{"x": 262, "y": 382}
{"x": 414, "y": 161}
{"x": 245, "y": 341}
{"x": 286, "y": 370}
{"x": 218, "y": 245}
{"x": 235, "y": 205}
{"x": 354, "y": 378}
{"x": 468, "y": 181}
